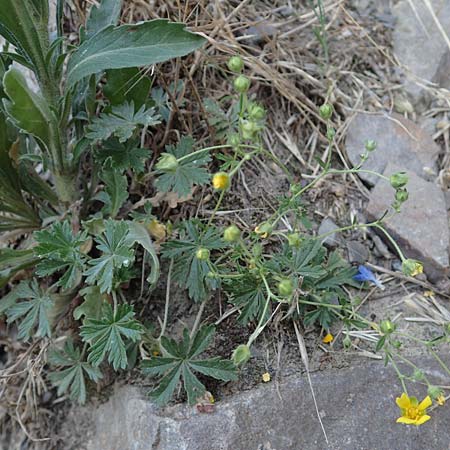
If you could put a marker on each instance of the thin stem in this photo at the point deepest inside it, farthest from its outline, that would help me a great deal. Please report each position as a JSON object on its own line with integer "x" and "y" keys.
{"x": 399, "y": 374}
{"x": 198, "y": 319}
{"x": 166, "y": 305}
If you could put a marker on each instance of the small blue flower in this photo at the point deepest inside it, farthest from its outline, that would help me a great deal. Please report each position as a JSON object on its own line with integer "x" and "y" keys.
{"x": 365, "y": 274}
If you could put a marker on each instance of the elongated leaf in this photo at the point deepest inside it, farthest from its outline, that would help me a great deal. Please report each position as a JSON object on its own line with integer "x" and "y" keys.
{"x": 29, "y": 111}
{"x": 131, "y": 46}
{"x": 115, "y": 193}
{"x": 107, "y": 13}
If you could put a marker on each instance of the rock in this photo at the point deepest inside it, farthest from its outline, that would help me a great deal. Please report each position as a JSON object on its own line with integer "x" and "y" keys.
{"x": 357, "y": 407}
{"x": 357, "y": 252}
{"x": 421, "y": 228}
{"x": 419, "y": 45}
{"x": 327, "y": 226}
{"x": 399, "y": 141}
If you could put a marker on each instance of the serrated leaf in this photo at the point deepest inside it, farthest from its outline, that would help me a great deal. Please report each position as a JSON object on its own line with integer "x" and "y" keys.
{"x": 190, "y": 171}
{"x": 32, "y": 313}
{"x": 107, "y": 13}
{"x": 28, "y": 111}
{"x": 59, "y": 249}
{"x": 137, "y": 45}
{"x": 92, "y": 305}
{"x": 123, "y": 156}
{"x": 121, "y": 122}
{"x": 116, "y": 191}
{"x": 180, "y": 362}
{"x": 116, "y": 253}
{"x": 73, "y": 377}
{"x": 107, "y": 336}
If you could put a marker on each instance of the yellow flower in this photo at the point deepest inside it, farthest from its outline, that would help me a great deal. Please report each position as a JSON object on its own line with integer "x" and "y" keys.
{"x": 221, "y": 181}
{"x": 413, "y": 412}
{"x": 266, "y": 377}
{"x": 328, "y": 339}
{"x": 412, "y": 268}
{"x": 441, "y": 400}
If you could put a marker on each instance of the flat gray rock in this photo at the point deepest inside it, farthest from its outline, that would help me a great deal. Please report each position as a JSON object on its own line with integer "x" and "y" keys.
{"x": 421, "y": 228}
{"x": 419, "y": 45}
{"x": 399, "y": 141}
{"x": 357, "y": 406}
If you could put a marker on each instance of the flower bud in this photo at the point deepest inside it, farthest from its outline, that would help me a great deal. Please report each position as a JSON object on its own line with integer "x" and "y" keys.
{"x": 241, "y": 354}
{"x": 285, "y": 287}
{"x": 249, "y": 129}
{"x": 157, "y": 230}
{"x": 331, "y": 132}
{"x": 264, "y": 229}
{"x": 401, "y": 195}
{"x": 399, "y": 180}
{"x": 202, "y": 254}
{"x": 221, "y": 181}
{"x": 256, "y": 112}
{"x": 387, "y": 327}
{"x": 418, "y": 375}
{"x": 370, "y": 145}
{"x": 294, "y": 239}
{"x": 326, "y": 111}
{"x": 347, "y": 342}
{"x": 434, "y": 392}
{"x": 234, "y": 140}
{"x": 167, "y": 163}
{"x": 241, "y": 84}
{"x": 231, "y": 233}
{"x": 235, "y": 64}
{"x": 411, "y": 267}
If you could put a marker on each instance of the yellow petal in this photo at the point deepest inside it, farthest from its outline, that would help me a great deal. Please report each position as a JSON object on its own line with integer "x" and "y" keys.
{"x": 266, "y": 377}
{"x": 406, "y": 420}
{"x": 403, "y": 402}
{"x": 423, "y": 419}
{"x": 425, "y": 403}
{"x": 328, "y": 338}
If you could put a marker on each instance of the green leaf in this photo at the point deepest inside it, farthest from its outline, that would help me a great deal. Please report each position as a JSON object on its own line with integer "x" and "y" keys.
{"x": 139, "y": 234}
{"x": 59, "y": 249}
{"x": 123, "y": 156}
{"x": 121, "y": 122}
{"x": 107, "y": 13}
{"x": 116, "y": 253}
{"x": 189, "y": 171}
{"x": 116, "y": 191}
{"x": 107, "y": 336}
{"x": 137, "y": 45}
{"x": 92, "y": 305}
{"x": 189, "y": 271}
{"x": 180, "y": 362}
{"x": 28, "y": 111}
{"x": 127, "y": 85}
{"x": 12, "y": 261}
{"x": 34, "y": 312}
{"x": 73, "y": 377}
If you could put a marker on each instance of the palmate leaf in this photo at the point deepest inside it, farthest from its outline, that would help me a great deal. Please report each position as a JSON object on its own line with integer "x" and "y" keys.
{"x": 121, "y": 122}
{"x": 189, "y": 271}
{"x": 137, "y": 45}
{"x": 116, "y": 190}
{"x": 73, "y": 377}
{"x": 180, "y": 361}
{"x": 59, "y": 249}
{"x": 190, "y": 171}
{"x": 123, "y": 156}
{"x": 108, "y": 336}
{"x": 32, "y": 313}
{"x": 116, "y": 253}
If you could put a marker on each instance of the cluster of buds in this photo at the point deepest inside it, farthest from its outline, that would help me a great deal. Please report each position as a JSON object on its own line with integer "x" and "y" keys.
{"x": 398, "y": 181}
{"x": 369, "y": 146}
{"x": 326, "y": 111}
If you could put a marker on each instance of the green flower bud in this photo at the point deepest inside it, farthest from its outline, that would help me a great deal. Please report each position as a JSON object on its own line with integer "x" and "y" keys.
{"x": 249, "y": 129}
{"x": 241, "y": 84}
{"x": 234, "y": 140}
{"x": 294, "y": 239}
{"x": 434, "y": 392}
{"x": 331, "y": 132}
{"x": 241, "y": 354}
{"x": 347, "y": 342}
{"x": 264, "y": 229}
{"x": 285, "y": 287}
{"x": 387, "y": 327}
{"x": 411, "y": 267}
{"x": 370, "y": 145}
{"x": 399, "y": 180}
{"x": 326, "y": 111}
{"x": 231, "y": 233}
{"x": 256, "y": 112}
{"x": 167, "y": 163}
{"x": 396, "y": 344}
{"x": 401, "y": 195}
{"x": 257, "y": 250}
{"x": 418, "y": 375}
{"x": 202, "y": 254}
{"x": 235, "y": 64}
